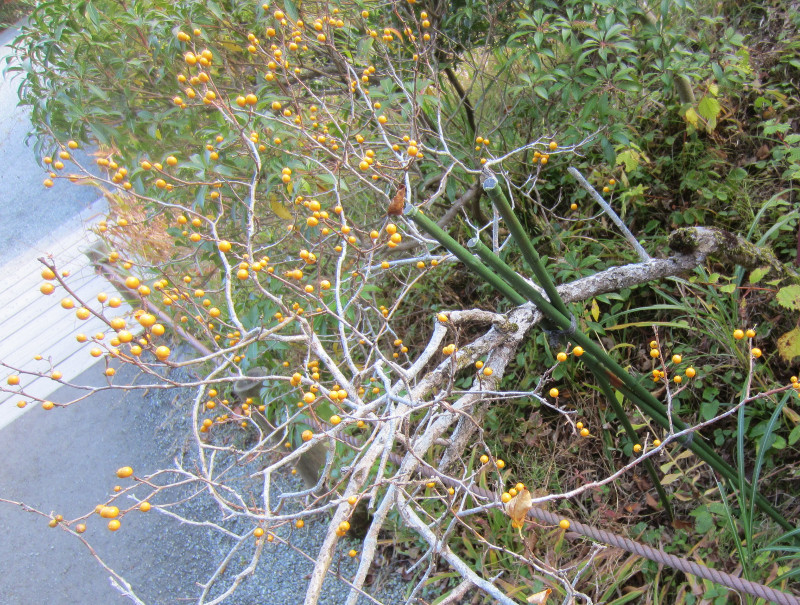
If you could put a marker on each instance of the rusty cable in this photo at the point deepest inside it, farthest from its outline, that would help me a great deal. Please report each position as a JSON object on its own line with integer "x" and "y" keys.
{"x": 643, "y": 550}
{"x": 648, "y": 552}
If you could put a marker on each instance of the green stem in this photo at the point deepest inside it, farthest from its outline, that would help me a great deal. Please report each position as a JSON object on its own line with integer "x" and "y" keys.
{"x": 464, "y": 255}
{"x": 629, "y": 387}
{"x": 605, "y": 386}
{"x": 492, "y": 186}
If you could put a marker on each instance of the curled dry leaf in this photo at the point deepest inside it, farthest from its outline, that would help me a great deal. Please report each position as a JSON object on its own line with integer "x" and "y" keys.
{"x": 398, "y": 202}
{"x": 540, "y": 598}
{"x": 517, "y": 508}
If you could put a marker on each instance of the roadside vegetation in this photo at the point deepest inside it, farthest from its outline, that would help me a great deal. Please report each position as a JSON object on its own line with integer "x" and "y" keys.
{"x": 257, "y": 160}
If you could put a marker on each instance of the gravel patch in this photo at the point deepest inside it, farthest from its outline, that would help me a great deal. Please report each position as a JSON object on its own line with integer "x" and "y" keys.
{"x": 63, "y": 461}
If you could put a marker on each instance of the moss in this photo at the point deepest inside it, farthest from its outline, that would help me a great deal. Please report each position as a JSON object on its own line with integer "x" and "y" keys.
{"x": 683, "y": 241}
{"x": 729, "y": 248}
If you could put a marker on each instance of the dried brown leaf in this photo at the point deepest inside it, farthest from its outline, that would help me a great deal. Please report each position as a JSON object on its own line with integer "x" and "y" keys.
{"x": 540, "y": 598}
{"x": 396, "y": 205}
{"x": 517, "y": 508}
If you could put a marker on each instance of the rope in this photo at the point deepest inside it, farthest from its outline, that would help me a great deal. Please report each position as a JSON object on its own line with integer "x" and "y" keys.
{"x": 648, "y": 552}
{"x": 643, "y": 550}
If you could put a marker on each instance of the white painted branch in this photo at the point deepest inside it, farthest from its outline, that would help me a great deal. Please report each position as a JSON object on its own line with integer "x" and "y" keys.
{"x": 610, "y": 212}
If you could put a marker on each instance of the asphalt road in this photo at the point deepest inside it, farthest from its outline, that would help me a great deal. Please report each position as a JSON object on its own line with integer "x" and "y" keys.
{"x": 64, "y": 461}
{"x": 29, "y": 211}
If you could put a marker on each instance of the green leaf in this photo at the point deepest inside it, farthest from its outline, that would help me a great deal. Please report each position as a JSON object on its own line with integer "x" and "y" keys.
{"x": 709, "y": 108}
{"x": 789, "y": 345}
{"x": 789, "y": 297}
{"x": 703, "y": 521}
{"x": 756, "y": 275}
{"x": 630, "y": 158}
{"x": 794, "y": 435}
{"x": 291, "y": 9}
{"x": 708, "y": 409}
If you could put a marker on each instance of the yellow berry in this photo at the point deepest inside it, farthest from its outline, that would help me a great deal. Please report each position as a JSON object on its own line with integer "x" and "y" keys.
{"x": 561, "y": 356}
{"x": 690, "y": 372}
{"x": 577, "y": 351}
{"x": 563, "y": 524}
{"x": 738, "y": 334}
{"x": 554, "y": 392}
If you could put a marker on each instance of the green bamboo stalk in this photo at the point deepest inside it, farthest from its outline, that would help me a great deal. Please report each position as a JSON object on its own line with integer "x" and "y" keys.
{"x": 464, "y": 255}
{"x": 629, "y": 387}
{"x": 492, "y": 186}
{"x": 608, "y": 392}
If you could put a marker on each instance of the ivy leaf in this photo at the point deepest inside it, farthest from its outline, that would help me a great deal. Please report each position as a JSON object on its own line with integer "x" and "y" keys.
{"x": 789, "y": 297}
{"x": 630, "y": 158}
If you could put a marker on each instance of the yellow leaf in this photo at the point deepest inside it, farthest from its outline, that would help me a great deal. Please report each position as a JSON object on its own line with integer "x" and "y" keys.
{"x": 540, "y": 598}
{"x": 691, "y": 116}
{"x": 671, "y": 478}
{"x": 517, "y": 508}
{"x": 232, "y": 47}
{"x": 395, "y": 32}
{"x": 280, "y": 210}
{"x": 793, "y": 416}
{"x": 595, "y": 309}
